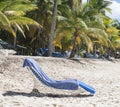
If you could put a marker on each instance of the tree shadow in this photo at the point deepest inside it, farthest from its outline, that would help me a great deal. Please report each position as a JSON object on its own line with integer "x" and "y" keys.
{"x": 38, "y": 94}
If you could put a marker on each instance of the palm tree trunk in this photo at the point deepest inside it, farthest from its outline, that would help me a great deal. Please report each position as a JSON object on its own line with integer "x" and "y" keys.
{"x": 52, "y": 32}
{"x": 73, "y": 52}
{"x": 15, "y": 39}
{"x": 70, "y": 3}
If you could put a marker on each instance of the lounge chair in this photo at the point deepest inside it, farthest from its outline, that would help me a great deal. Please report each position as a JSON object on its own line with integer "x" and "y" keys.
{"x": 69, "y": 84}
{"x": 42, "y": 52}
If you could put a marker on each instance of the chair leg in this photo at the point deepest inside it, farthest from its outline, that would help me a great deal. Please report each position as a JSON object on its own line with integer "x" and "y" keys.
{"x": 87, "y": 87}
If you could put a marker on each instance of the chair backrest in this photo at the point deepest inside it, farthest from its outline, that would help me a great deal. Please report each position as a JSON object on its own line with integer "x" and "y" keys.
{"x": 39, "y": 76}
{"x": 37, "y": 71}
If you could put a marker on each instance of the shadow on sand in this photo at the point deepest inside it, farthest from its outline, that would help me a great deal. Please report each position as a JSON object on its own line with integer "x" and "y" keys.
{"x": 38, "y": 94}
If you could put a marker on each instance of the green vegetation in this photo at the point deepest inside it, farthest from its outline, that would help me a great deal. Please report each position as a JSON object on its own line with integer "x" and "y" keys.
{"x": 64, "y": 25}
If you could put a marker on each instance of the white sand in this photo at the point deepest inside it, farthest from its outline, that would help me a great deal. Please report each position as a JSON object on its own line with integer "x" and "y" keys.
{"x": 16, "y": 83}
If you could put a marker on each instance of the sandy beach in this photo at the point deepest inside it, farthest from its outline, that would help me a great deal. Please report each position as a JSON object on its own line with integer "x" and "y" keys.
{"x": 17, "y": 83}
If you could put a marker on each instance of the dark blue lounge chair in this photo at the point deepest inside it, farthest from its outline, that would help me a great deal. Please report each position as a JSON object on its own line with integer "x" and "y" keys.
{"x": 69, "y": 84}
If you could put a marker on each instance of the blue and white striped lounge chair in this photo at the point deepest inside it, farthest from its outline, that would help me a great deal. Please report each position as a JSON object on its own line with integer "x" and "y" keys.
{"x": 69, "y": 84}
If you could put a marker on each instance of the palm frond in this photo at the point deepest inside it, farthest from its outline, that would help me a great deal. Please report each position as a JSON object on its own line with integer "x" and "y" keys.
{"x": 87, "y": 41}
{"x": 23, "y": 21}
{"x": 20, "y": 29}
{"x": 9, "y": 29}
{"x": 14, "y": 13}
{"x": 99, "y": 34}
{"x": 3, "y": 19}
{"x": 5, "y": 24}
{"x": 16, "y": 5}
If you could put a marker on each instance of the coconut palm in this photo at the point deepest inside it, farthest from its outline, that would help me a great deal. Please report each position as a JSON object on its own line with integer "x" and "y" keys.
{"x": 114, "y": 38}
{"x": 95, "y": 15}
{"x": 43, "y": 15}
{"x": 14, "y": 12}
{"x": 84, "y": 29}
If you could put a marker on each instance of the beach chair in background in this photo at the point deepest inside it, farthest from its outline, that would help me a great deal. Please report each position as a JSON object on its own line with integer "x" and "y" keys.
{"x": 42, "y": 52}
{"x": 69, "y": 84}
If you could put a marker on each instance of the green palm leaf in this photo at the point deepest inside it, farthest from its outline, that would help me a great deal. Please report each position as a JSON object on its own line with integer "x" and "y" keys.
{"x": 3, "y": 19}
{"x": 5, "y": 24}
{"x": 99, "y": 34}
{"x": 23, "y": 21}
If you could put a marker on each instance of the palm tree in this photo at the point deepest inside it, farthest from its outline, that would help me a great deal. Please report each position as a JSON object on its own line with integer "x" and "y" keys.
{"x": 77, "y": 4}
{"x": 43, "y": 15}
{"x": 114, "y": 38}
{"x": 95, "y": 15}
{"x": 14, "y": 12}
{"x": 80, "y": 25}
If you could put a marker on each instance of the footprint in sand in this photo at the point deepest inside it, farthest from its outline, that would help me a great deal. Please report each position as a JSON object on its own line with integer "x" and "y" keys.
{"x": 15, "y": 103}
